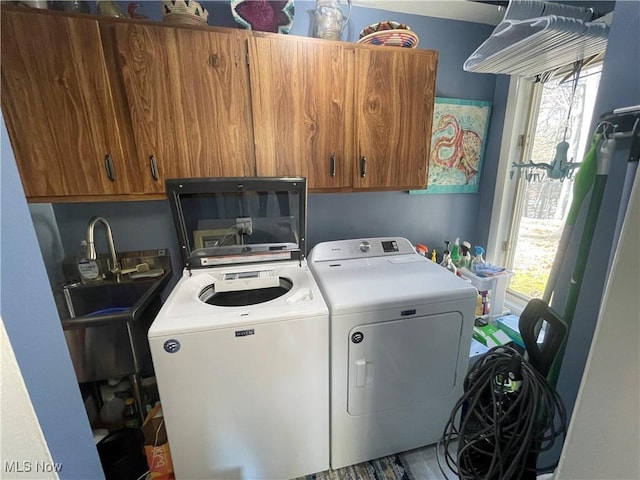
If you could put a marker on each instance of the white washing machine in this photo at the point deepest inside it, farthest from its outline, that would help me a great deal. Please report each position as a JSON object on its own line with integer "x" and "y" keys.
{"x": 401, "y": 329}
{"x": 240, "y": 347}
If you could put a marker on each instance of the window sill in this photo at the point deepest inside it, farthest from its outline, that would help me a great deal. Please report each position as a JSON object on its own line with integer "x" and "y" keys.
{"x": 514, "y": 303}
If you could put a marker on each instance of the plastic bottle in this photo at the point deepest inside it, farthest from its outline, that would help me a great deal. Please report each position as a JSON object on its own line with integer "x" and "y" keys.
{"x": 114, "y": 381}
{"x": 422, "y": 249}
{"x": 465, "y": 257}
{"x": 89, "y": 270}
{"x": 455, "y": 253}
{"x": 446, "y": 260}
{"x": 446, "y": 254}
{"x": 131, "y": 417}
{"x": 479, "y": 305}
{"x": 486, "y": 307}
{"x": 112, "y": 410}
{"x": 451, "y": 267}
{"x": 478, "y": 259}
{"x": 120, "y": 386}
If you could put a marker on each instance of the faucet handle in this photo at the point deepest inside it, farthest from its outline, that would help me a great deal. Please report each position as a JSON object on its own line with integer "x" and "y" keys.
{"x": 115, "y": 267}
{"x": 112, "y": 269}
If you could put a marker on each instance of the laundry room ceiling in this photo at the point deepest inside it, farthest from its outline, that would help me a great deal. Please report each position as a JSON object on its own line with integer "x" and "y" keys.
{"x": 455, "y": 10}
{"x": 600, "y": 7}
{"x": 477, "y": 11}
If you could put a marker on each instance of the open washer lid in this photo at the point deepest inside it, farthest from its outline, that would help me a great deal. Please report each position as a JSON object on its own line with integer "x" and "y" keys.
{"x": 223, "y": 221}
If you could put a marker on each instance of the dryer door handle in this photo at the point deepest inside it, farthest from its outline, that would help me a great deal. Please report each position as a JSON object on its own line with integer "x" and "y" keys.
{"x": 364, "y": 373}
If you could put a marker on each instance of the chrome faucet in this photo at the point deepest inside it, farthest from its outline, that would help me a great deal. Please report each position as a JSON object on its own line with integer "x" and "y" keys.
{"x": 91, "y": 248}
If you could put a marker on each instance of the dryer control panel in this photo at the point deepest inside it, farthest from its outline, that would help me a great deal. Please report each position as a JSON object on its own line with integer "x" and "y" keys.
{"x": 361, "y": 248}
{"x": 390, "y": 246}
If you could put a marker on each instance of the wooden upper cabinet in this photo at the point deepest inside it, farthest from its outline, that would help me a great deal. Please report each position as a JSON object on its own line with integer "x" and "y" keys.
{"x": 189, "y": 101}
{"x": 395, "y": 91}
{"x": 101, "y": 108}
{"x": 345, "y": 116}
{"x": 301, "y": 97}
{"x": 58, "y": 107}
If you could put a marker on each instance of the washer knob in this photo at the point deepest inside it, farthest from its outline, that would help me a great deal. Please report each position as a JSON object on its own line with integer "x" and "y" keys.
{"x": 365, "y": 246}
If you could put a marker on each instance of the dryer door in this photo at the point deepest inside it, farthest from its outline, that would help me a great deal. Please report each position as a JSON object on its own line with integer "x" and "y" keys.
{"x": 400, "y": 362}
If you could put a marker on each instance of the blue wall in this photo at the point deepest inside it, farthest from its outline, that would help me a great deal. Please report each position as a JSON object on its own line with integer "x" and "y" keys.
{"x": 32, "y": 323}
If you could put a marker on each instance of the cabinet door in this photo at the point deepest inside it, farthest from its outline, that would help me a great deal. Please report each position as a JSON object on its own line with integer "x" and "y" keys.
{"x": 395, "y": 89}
{"x": 301, "y": 89}
{"x": 58, "y": 107}
{"x": 189, "y": 101}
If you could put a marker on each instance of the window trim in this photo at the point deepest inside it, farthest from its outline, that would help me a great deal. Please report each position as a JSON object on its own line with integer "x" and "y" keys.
{"x": 515, "y": 124}
{"x": 516, "y": 121}
{"x": 520, "y": 114}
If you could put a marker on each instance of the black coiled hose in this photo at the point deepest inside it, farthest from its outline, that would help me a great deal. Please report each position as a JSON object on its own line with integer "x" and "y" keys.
{"x": 506, "y": 417}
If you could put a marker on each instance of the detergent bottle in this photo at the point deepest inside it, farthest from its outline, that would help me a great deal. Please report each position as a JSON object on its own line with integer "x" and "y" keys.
{"x": 455, "y": 253}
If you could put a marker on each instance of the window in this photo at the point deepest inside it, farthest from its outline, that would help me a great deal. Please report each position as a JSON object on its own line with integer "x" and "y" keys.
{"x": 536, "y": 199}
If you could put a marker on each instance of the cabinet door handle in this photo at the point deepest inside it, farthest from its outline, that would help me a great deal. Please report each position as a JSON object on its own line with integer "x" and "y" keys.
{"x": 153, "y": 164}
{"x": 108, "y": 166}
{"x": 363, "y": 166}
{"x": 332, "y": 162}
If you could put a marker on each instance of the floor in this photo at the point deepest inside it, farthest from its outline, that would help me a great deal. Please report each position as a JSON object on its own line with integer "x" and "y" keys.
{"x": 423, "y": 464}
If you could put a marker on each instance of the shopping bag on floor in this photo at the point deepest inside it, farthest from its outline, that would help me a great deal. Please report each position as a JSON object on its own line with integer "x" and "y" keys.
{"x": 156, "y": 445}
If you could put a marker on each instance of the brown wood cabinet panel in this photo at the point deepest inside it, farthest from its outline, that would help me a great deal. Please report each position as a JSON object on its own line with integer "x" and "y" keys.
{"x": 395, "y": 90}
{"x": 301, "y": 98}
{"x": 218, "y": 104}
{"x": 58, "y": 106}
{"x": 168, "y": 101}
{"x": 189, "y": 100}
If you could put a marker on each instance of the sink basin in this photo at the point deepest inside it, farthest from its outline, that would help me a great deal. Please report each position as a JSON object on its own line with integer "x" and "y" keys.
{"x": 110, "y": 300}
{"x": 106, "y": 323}
{"x": 105, "y": 299}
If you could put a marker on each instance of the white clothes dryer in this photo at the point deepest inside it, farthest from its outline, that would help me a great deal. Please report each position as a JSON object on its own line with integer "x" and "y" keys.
{"x": 401, "y": 329}
{"x": 240, "y": 347}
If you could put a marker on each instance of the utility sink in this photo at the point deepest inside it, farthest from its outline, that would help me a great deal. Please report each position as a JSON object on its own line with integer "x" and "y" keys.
{"x": 106, "y": 323}
{"x": 106, "y": 301}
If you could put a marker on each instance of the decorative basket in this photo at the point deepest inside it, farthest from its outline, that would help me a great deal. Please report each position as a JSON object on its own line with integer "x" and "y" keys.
{"x": 380, "y": 26}
{"x": 391, "y": 38}
{"x": 184, "y": 12}
{"x": 389, "y": 33}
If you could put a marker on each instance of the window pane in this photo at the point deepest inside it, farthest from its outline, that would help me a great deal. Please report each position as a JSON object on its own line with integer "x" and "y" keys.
{"x": 540, "y": 215}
